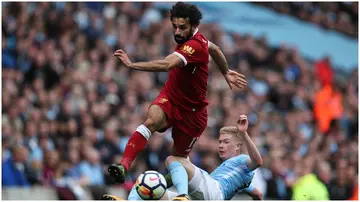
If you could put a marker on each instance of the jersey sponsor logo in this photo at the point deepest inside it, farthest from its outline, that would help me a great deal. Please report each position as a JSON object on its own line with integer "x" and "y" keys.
{"x": 163, "y": 100}
{"x": 188, "y": 49}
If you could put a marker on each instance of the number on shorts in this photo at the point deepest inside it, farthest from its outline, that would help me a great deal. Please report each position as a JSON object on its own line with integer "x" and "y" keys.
{"x": 192, "y": 143}
{"x": 194, "y": 70}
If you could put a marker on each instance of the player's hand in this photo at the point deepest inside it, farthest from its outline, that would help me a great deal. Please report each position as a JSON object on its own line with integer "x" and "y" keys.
{"x": 120, "y": 54}
{"x": 236, "y": 79}
{"x": 242, "y": 123}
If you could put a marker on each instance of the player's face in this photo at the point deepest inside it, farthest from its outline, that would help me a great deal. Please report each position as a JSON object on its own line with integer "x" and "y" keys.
{"x": 182, "y": 30}
{"x": 227, "y": 146}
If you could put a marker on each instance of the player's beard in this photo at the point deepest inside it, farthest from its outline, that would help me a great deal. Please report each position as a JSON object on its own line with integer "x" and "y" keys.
{"x": 181, "y": 39}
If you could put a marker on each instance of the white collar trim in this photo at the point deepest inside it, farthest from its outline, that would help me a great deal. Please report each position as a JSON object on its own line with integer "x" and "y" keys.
{"x": 196, "y": 30}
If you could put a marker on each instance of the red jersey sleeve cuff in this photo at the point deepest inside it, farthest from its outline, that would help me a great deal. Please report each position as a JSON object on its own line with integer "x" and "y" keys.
{"x": 181, "y": 57}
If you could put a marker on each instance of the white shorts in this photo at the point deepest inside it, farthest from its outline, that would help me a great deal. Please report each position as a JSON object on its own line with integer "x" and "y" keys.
{"x": 203, "y": 187}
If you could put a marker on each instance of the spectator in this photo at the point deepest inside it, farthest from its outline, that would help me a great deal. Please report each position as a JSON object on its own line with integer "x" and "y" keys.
{"x": 323, "y": 171}
{"x": 90, "y": 169}
{"x": 276, "y": 186}
{"x": 13, "y": 170}
{"x": 108, "y": 147}
{"x": 324, "y": 72}
{"x": 308, "y": 186}
{"x": 51, "y": 161}
{"x": 74, "y": 161}
{"x": 340, "y": 187}
{"x": 327, "y": 106}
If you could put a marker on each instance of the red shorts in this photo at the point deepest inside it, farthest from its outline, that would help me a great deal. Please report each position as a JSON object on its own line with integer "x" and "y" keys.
{"x": 187, "y": 126}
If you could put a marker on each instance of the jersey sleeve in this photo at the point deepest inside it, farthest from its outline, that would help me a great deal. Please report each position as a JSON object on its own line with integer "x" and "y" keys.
{"x": 242, "y": 161}
{"x": 192, "y": 52}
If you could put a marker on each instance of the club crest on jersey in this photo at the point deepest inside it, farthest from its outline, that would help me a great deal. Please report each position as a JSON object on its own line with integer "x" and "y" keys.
{"x": 188, "y": 49}
{"x": 163, "y": 100}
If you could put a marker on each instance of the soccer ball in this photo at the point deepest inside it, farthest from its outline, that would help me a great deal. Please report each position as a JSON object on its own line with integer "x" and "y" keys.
{"x": 151, "y": 185}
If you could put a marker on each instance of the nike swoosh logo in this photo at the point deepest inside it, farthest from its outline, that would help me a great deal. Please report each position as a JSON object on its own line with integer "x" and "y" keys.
{"x": 153, "y": 179}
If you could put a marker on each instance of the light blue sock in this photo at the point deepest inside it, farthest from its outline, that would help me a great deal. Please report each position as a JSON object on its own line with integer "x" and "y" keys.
{"x": 134, "y": 196}
{"x": 179, "y": 177}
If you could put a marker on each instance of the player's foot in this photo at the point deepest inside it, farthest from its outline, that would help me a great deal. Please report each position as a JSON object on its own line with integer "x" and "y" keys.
{"x": 108, "y": 197}
{"x": 182, "y": 197}
{"x": 168, "y": 180}
{"x": 118, "y": 172}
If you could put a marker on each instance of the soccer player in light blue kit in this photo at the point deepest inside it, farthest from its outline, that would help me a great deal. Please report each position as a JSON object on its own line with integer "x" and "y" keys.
{"x": 240, "y": 157}
{"x": 235, "y": 174}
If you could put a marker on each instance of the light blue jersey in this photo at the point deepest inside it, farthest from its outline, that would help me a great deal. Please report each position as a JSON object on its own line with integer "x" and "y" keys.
{"x": 233, "y": 175}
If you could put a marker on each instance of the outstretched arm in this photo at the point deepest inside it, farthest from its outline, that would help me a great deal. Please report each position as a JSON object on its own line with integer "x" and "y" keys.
{"x": 231, "y": 77}
{"x": 218, "y": 57}
{"x": 255, "y": 160}
{"x": 164, "y": 65}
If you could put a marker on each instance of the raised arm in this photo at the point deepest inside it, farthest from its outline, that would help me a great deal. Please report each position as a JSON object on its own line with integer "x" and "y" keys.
{"x": 231, "y": 77}
{"x": 255, "y": 160}
{"x": 164, "y": 65}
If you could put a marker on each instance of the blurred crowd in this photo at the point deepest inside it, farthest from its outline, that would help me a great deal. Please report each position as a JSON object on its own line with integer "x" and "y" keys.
{"x": 69, "y": 106}
{"x": 342, "y": 17}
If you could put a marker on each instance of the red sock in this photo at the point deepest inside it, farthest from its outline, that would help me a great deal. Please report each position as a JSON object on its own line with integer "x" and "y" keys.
{"x": 134, "y": 146}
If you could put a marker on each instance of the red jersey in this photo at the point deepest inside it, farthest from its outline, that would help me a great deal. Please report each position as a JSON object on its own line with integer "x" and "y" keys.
{"x": 187, "y": 85}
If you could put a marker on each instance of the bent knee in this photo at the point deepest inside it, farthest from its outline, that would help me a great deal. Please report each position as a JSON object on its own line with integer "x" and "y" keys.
{"x": 156, "y": 118}
{"x": 150, "y": 123}
{"x": 171, "y": 159}
{"x": 155, "y": 125}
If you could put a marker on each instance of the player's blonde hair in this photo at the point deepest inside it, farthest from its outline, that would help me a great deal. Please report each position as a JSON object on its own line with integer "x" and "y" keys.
{"x": 231, "y": 130}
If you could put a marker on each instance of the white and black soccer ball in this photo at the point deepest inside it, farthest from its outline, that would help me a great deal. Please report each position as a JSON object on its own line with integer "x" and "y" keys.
{"x": 151, "y": 185}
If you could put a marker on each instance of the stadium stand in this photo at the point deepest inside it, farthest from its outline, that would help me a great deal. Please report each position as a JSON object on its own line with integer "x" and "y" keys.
{"x": 342, "y": 17}
{"x": 69, "y": 106}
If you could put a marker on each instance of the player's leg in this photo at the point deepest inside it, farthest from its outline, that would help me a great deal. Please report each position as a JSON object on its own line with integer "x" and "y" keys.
{"x": 176, "y": 165}
{"x": 183, "y": 144}
{"x": 157, "y": 119}
{"x": 177, "y": 171}
{"x": 203, "y": 187}
{"x": 185, "y": 162}
{"x": 186, "y": 131}
{"x": 199, "y": 184}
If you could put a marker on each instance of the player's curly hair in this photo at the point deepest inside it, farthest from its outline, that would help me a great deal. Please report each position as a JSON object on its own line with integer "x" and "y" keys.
{"x": 184, "y": 10}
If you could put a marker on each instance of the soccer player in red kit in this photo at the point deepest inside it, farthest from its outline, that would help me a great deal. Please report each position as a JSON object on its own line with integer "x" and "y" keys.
{"x": 182, "y": 102}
